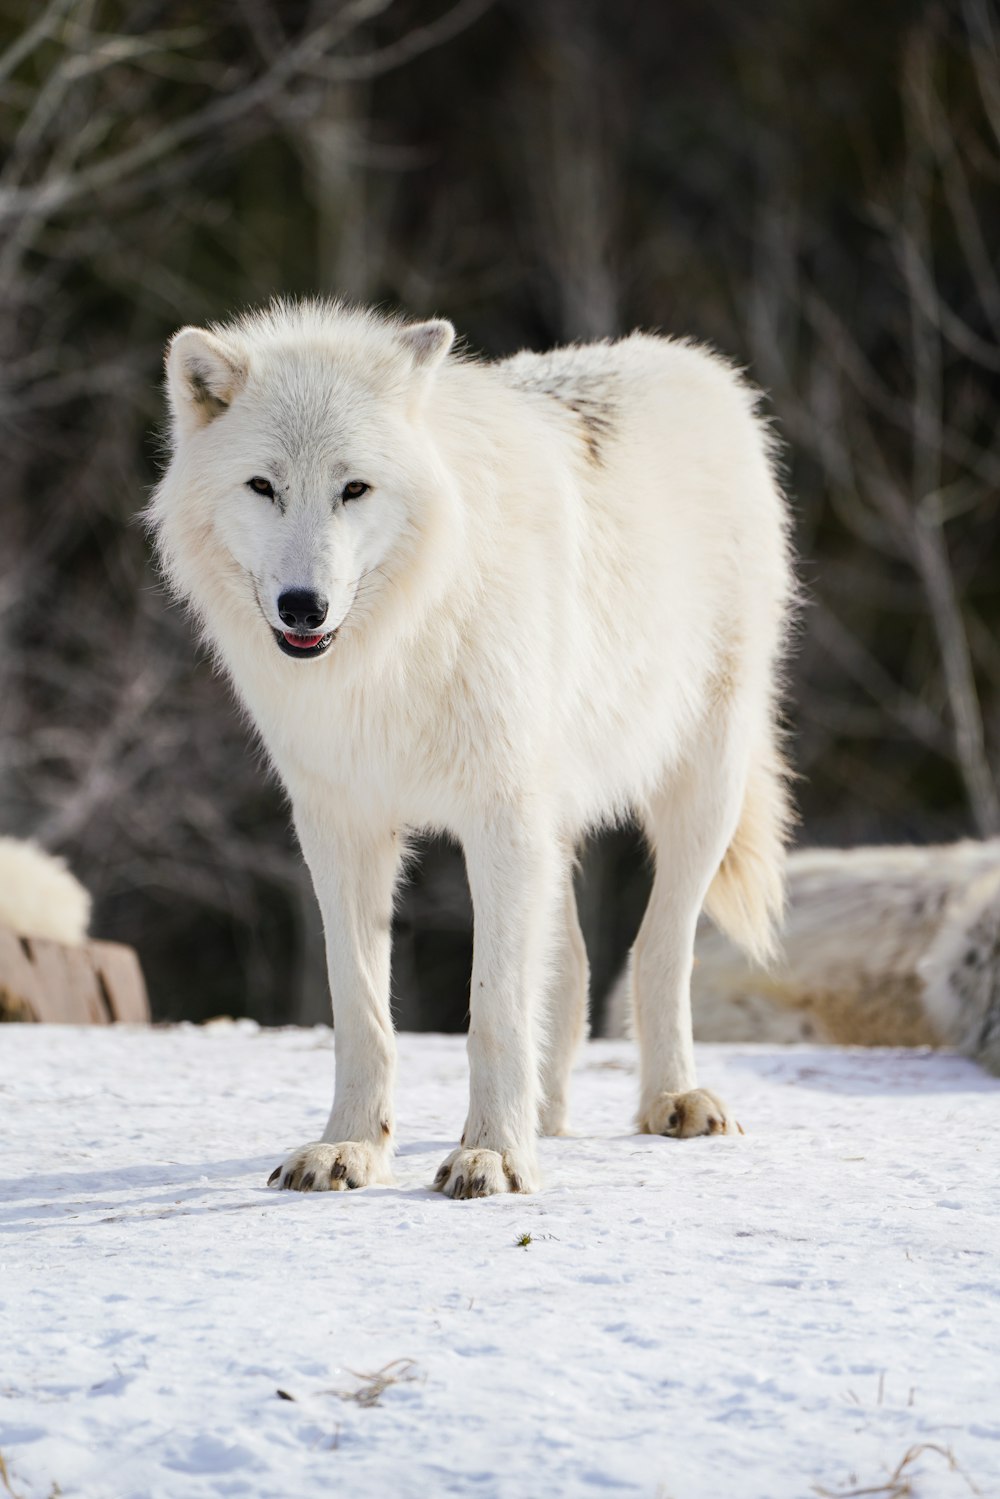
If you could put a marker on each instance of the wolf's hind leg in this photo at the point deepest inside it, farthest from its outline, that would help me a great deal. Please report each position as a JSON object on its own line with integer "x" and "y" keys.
{"x": 690, "y": 824}
{"x": 354, "y": 872}
{"x": 567, "y": 1016}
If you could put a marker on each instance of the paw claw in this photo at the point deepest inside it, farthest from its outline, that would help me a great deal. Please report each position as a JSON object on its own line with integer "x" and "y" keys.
{"x": 470, "y": 1173}
{"x": 331, "y": 1168}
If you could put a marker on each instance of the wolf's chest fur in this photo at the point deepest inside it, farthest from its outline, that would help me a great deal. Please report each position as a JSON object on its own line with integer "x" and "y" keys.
{"x": 409, "y": 742}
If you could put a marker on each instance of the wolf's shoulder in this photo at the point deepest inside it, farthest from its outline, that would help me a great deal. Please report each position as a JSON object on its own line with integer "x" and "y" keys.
{"x": 605, "y": 370}
{"x": 586, "y": 382}
{"x": 597, "y": 385}
{"x": 576, "y": 369}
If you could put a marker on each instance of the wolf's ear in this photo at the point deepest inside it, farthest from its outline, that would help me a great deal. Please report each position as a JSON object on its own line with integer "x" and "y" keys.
{"x": 203, "y": 376}
{"x": 427, "y": 343}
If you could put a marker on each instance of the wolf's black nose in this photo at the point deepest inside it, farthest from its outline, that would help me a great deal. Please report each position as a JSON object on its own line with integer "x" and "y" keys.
{"x": 299, "y": 609}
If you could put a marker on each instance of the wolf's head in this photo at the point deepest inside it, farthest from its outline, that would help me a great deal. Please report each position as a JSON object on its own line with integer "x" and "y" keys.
{"x": 301, "y": 470}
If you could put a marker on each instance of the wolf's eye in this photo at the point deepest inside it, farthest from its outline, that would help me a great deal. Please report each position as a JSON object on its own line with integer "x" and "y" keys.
{"x": 354, "y": 490}
{"x": 261, "y": 486}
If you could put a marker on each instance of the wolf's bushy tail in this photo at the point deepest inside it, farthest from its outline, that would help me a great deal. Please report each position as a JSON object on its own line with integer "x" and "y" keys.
{"x": 747, "y": 896}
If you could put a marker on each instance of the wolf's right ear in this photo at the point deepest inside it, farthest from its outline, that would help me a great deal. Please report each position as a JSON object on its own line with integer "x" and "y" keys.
{"x": 203, "y": 376}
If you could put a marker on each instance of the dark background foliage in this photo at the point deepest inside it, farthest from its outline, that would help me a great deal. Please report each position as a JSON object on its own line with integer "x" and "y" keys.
{"x": 811, "y": 185}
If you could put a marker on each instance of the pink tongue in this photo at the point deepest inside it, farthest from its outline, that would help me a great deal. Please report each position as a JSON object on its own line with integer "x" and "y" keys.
{"x": 304, "y": 642}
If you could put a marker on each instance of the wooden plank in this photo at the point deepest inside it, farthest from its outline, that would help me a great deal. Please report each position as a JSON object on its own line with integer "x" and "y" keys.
{"x": 119, "y": 975}
{"x": 70, "y": 993}
{"x": 20, "y": 988}
{"x": 89, "y": 985}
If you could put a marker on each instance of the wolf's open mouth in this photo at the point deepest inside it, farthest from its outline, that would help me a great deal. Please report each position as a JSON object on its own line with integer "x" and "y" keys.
{"x": 303, "y": 645}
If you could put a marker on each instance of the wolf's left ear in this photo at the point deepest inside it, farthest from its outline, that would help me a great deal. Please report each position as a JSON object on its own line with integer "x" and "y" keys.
{"x": 427, "y": 343}
{"x": 203, "y": 376}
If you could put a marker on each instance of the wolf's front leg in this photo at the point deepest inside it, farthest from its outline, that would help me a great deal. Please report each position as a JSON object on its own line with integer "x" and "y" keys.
{"x": 354, "y": 872}
{"x": 514, "y": 876}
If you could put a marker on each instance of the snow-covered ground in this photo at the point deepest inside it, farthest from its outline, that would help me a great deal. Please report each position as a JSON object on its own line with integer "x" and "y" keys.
{"x": 732, "y": 1318}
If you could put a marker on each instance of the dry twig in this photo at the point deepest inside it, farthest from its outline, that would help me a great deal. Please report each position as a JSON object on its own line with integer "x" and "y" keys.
{"x": 900, "y": 1483}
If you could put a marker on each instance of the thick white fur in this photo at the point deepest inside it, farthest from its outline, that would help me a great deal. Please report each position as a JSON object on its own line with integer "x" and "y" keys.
{"x": 560, "y": 604}
{"x": 38, "y": 895}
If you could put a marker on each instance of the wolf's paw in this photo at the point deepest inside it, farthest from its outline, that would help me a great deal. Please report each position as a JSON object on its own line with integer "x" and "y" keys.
{"x": 481, "y": 1173}
{"x": 681, "y": 1115}
{"x": 332, "y": 1168}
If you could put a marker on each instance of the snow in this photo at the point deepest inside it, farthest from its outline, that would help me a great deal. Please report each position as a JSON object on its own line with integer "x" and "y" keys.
{"x": 729, "y": 1318}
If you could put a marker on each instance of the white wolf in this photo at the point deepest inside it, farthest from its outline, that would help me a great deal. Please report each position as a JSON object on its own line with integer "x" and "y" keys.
{"x": 510, "y": 601}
